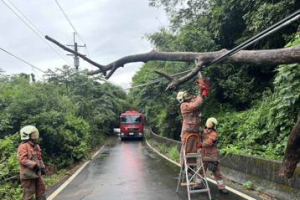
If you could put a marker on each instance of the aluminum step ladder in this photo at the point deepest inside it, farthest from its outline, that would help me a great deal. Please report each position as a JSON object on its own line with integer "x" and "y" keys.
{"x": 192, "y": 169}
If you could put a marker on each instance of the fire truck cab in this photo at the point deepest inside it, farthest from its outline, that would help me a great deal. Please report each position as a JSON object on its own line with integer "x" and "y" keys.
{"x": 132, "y": 124}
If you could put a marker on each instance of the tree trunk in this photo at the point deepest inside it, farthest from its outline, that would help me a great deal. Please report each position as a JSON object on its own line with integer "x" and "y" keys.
{"x": 292, "y": 153}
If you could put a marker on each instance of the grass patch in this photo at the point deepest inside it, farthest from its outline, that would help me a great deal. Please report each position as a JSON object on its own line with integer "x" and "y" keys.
{"x": 248, "y": 185}
{"x": 174, "y": 154}
{"x": 169, "y": 151}
{"x": 55, "y": 178}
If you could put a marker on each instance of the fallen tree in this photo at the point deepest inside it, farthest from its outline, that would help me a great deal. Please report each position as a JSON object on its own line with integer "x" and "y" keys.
{"x": 255, "y": 57}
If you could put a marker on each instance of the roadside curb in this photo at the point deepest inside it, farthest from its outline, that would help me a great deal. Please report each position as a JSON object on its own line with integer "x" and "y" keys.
{"x": 209, "y": 179}
{"x": 67, "y": 182}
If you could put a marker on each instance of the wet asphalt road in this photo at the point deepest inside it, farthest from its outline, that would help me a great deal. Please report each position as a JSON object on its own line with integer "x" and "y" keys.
{"x": 130, "y": 171}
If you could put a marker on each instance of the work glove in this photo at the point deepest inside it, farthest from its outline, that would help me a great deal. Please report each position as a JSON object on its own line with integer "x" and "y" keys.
{"x": 199, "y": 146}
{"x": 43, "y": 171}
{"x": 37, "y": 169}
{"x": 203, "y": 85}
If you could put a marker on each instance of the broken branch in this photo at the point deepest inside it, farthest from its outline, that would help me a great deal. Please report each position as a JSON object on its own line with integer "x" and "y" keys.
{"x": 255, "y": 57}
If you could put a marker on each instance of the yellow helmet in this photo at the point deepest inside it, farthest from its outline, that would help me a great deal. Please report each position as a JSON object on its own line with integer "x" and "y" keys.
{"x": 211, "y": 122}
{"x": 182, "y": 96}
{"x": 26, "y": 131}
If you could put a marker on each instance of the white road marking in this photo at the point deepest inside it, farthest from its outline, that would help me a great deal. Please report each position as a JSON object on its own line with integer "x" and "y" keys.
{"x": 65, "y": 184}
{"x": 209, "y": 179}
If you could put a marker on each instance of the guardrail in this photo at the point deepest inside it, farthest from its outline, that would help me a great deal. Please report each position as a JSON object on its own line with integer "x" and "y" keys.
{"x": 167, "y": 141}
{"x": 261, "y": 171}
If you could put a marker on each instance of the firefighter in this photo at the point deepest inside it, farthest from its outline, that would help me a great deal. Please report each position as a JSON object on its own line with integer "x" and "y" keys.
{"x": 190, "y": 109}
{"x": 31, "y": 164}
{"x": 209, "y": 152}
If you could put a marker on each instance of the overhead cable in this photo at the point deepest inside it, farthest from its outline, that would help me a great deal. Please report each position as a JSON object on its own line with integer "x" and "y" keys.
{"x": 282, "y": 23}
{"x": 24, "y": 61}
{"x": 157, "y": 80}
{"x": 31, "y": 26}
{"x": 71, "y": 24}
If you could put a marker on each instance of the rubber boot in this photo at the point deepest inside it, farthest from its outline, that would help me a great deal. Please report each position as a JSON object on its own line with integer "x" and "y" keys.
{"x": 223, "y": 191}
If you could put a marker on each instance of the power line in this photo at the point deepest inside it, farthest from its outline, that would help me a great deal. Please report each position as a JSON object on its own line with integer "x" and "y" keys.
{"x": 282, "y": 23}
{"x": 24, "y": 61}
{"x": 30, "y": 25}
{"x": 71, "y": 24}
{"x": 158, "y": 80}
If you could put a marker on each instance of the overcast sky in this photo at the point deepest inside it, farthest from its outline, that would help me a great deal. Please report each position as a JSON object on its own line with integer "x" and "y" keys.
{"x": 110, "y": 28}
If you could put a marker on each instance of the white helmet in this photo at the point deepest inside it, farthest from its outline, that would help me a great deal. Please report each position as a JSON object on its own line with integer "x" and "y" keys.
{"x": 182, "y": 96}
{"x": 211, "y": 122}
{"x": 27, "y": 130}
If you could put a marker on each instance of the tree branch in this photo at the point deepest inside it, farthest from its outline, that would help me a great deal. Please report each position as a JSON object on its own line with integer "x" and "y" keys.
{"x": 173, "y": 85}
{"x": 254, "y": 57}
{"x": 168, "y": 77}
{"x": 76, "y": 53}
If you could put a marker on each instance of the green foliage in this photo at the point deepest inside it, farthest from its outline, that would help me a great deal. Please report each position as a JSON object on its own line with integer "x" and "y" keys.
{"x": 202, "y": 26}
{"x": 256, "y": 105}
{"x": 161, "y": 108}
{"x": 174, "y": 154}
{"x": 58, "y": 176}
{"x": 286, "y": 104}
{"x": 9, "y": 165}
{"x": 264, "y": 129}
{"x": 163, "y": 148}
{"x": 248, "y": 185}
{"x": 10, "y": 191}
{"x": 169, "y": 151}
{"x": 8, "y": 161}
{"x": 72, "y": 111}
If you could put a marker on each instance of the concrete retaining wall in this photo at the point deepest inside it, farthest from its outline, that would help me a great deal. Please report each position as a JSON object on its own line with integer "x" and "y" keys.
{"x": 260, "y": 167}
{"x": 262, "y": 172}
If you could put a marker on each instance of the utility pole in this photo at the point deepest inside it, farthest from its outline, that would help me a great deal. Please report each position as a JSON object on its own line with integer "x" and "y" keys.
{"x": 76, "y": 58}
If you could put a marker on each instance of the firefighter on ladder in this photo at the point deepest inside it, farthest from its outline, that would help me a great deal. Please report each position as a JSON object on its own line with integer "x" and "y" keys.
{"x": 190, "y": 110}
{"x": 209, "y": 152}
{"x": 31, "y": 165}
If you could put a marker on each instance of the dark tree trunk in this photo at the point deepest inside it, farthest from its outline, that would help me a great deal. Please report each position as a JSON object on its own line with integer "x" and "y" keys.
{"x": 292, "y": 153}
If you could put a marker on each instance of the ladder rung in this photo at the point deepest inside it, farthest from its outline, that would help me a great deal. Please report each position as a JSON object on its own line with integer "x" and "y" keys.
{"x": 199, "y": 191}
{"x": 192, "y": 155}
{"x": 192, "y": 164}
{"x": 185, "y": 184}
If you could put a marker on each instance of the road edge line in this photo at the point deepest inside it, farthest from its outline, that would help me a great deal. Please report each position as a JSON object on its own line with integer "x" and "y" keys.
{"x": 209, "y": 179}
{"x": 67, "y": 182}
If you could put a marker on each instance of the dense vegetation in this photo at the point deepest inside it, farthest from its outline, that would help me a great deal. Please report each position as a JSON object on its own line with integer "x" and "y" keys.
{"x": 73, "y": 113}
{"x": 257, "y": 106}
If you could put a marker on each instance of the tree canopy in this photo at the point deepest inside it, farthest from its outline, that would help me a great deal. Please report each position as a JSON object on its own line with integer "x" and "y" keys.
{"x": 257, "y": 106}
{"x": 72, "y": 111}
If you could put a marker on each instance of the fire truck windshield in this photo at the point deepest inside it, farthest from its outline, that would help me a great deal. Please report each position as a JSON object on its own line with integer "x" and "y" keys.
{"x": 131, "y": 119}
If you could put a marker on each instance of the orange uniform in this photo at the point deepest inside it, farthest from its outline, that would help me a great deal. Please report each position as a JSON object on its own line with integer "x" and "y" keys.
{"x": 209, "y": 153}
{"x": 191, "y": 120}
{"x": 31, "y": 162}
{"x": 209, "y": 149}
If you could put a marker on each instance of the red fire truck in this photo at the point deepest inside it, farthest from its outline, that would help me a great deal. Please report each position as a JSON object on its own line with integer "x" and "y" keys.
{"x": 132, "y": 124}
